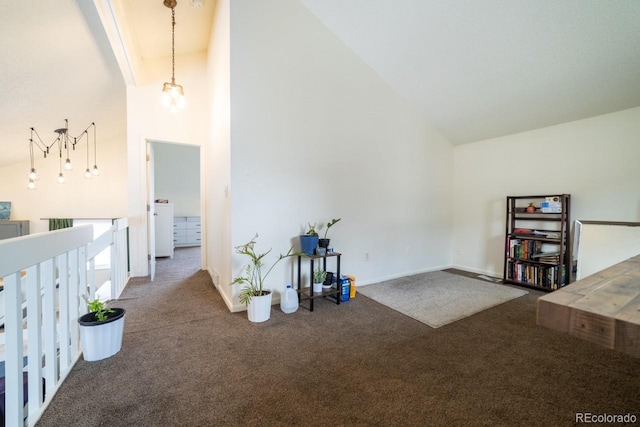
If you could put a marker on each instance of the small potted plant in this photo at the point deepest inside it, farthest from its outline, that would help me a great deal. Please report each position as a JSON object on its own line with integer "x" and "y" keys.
{"x": 309, "y": 240}
{"x": 101, "y": 330}
{"x": 253, "y": 295}
{"x": 324, "y": 242}
{"x": 318, "y": 279}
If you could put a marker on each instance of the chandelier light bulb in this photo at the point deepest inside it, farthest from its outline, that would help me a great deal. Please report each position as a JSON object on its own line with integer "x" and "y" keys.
{"x": 67, "y": 165}
{"x": 33, "y": 175}
{"x": 31, "y": 185}
{"x": 95, "y": 170}
{"x": 60, "y": 178}
{"x": 87, "y": 174}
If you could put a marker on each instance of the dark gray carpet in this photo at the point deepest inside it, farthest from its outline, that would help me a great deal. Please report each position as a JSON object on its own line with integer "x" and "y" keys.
{"x": 187, "y": 361}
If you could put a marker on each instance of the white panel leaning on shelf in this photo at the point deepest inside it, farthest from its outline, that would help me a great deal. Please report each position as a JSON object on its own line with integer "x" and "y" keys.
{"x": 537, "y": 243}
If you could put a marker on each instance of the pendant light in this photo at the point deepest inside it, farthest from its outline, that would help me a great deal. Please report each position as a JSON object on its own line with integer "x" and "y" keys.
{"x": 65, "y": 145}
{"x": 172, "y": 93}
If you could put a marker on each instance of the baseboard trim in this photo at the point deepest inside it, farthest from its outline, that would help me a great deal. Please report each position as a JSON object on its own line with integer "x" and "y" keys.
{"x": 233, "y": 308}
{"x": 477, "y": 271}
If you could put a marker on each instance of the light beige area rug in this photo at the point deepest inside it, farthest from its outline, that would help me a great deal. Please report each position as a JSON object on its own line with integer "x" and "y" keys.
{"x": 438, "y": 298}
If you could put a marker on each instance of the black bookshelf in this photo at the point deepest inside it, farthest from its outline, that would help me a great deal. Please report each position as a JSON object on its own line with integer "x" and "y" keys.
{"x": 537, "y": 241}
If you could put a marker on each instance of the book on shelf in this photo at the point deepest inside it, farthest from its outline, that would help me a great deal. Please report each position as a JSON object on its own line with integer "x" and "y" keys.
{"x": 546, "y": 234}
{"x": 522, "y": 231}
{"x": 552, "y": 257}
{"x": 543, "y": 276}
{"x": 536, "y": 233}
{"x": 523, "y": 248}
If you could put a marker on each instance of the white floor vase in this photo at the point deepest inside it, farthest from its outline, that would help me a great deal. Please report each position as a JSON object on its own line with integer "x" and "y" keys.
{"x": 101, "y": 339}
{"x": 259, "y": 309}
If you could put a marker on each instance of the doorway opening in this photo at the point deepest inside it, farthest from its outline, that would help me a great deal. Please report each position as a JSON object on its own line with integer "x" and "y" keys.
{"x": 175, "y": 209}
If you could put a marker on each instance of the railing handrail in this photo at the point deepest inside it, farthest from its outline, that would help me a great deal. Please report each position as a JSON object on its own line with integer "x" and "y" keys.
{"x": 56, "y": 267}
{"x": 18, "y": 253}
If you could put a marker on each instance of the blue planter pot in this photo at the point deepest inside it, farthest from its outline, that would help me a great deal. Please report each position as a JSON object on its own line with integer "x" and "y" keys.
{"x": 308, "y": 244}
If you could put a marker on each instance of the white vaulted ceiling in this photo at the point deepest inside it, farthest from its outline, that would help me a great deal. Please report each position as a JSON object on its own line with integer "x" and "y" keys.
{"x": 482, "y": 69}
{"x": 473, "y": 69}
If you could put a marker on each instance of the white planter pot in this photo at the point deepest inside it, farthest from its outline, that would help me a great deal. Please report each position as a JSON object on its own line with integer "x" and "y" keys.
{"x": 101, "y": 339}
{"x": 317, "y": 288}
{"x": 259, "y": 309}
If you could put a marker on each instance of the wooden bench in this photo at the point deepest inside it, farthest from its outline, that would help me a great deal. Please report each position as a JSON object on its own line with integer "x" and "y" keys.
{"x": 603, "y": 308}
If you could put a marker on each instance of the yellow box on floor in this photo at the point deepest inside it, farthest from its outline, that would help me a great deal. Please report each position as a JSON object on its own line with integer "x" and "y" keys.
{"x": 352, "y": 286}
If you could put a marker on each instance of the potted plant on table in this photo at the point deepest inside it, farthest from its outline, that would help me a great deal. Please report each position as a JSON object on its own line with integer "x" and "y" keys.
{"x": 324, "y": 242}
{"x": 253, "y": 295}
{"x": 101, "y": 330}
{"x": 309, "y": 240}
{"x": 318, "y": 279}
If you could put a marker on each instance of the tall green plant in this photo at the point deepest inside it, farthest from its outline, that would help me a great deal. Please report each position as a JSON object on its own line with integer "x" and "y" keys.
{"x": 253, "y": 277}
{"x": 329, "y": 225}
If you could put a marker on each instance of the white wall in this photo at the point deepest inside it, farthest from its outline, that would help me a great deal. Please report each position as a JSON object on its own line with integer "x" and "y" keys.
{"x": 148, "y": 120}
{"x": 316, "y": 134}
{"x": 103, "y": 196}
{"x": 595, "y": 160}
{"x": 217, "y": 171}
{"x": 604, "y": 245}
{"x": 177, "y": 176}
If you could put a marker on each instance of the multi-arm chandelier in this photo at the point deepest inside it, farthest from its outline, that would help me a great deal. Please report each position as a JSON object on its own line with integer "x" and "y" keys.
{"x": 65, "y": 143}
{"x": 172, "y": 93}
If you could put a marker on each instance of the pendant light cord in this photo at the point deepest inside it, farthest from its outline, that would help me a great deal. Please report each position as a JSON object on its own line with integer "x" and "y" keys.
{"x": 173, "y": 46}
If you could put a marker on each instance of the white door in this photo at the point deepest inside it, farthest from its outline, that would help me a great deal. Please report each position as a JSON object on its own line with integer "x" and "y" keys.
{"x": 151, "y": 213}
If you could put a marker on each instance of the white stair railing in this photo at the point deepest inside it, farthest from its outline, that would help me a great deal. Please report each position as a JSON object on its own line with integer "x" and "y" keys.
{"x": 52, "y": 302}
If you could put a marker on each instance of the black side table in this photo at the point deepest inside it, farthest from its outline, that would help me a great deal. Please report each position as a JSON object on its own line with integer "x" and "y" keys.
{"x": 307, "y": 293}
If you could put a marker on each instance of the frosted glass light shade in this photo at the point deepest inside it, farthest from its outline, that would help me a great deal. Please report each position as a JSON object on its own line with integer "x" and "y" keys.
{"x": 173, "y": 96}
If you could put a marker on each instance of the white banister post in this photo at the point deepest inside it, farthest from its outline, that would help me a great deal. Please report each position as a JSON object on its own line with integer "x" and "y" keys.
{"x": 82, "y": 289}
{"x": 49, "y": 320}
{"x": 92, "y": 279}
{"x": 34, "y": 333}
{"x": 114, "y": 262}
{"x": 74, "y": 278}
{"x": 117, "y": 243}
{"x": 63, "y": 296}
{"x": 124, "y": 256}
{"x": 13, "y": 347}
